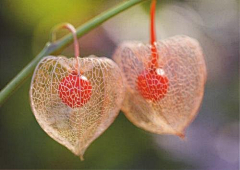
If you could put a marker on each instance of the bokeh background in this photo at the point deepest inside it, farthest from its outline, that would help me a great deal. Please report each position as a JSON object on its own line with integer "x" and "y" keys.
{"x": 212, "y": 140}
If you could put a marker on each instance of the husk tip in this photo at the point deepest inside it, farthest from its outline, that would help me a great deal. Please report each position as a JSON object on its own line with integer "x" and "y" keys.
{"x": 81, "y": 157}
{"x": 181, "y": 135}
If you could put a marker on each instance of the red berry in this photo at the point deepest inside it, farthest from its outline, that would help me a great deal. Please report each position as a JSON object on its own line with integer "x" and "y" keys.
{"x": 152, "y": 84}
{"x": 75, "y": 90}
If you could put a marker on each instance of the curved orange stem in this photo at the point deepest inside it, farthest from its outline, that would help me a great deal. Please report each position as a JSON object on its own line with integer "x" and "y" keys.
{"x": 153, "y": 34}
{"x": 74, "y": 33}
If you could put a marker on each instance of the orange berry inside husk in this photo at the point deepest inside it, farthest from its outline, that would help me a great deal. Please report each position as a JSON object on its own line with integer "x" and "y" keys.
{"x": 75, "y": 90}
{"x": 153, "y": 84}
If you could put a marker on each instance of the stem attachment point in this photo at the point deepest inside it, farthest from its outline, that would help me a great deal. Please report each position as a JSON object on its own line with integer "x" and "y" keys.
{"x": 75, "y": 40}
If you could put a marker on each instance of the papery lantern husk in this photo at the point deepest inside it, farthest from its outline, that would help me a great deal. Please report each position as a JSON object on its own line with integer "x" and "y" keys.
{"x": 182, "y": 60}
{"x": 76, "y": 128}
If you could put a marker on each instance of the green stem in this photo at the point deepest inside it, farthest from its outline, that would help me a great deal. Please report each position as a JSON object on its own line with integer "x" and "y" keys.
{"x": 51, "y": 48}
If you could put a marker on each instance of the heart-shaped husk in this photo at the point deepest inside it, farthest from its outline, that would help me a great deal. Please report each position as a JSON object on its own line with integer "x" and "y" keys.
{"x": 77, "y": 127}
{"x": 181, "y": 59}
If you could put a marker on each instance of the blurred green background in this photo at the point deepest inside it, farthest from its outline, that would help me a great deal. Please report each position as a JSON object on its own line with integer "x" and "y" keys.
{"x": 212, "y": 139}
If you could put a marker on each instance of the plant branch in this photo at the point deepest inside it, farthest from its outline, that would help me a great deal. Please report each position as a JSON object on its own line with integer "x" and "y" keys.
{"x": 51, "y": 48}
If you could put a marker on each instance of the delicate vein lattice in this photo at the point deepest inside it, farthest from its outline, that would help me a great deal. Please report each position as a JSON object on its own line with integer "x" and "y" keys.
{"x": 182, "y": 62}
{"x": 76, "y": 125}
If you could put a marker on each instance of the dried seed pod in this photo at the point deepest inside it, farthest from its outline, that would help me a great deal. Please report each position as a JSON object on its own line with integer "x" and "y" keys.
{"x": 168, "y": 99}
{"x": 75, "y": 109}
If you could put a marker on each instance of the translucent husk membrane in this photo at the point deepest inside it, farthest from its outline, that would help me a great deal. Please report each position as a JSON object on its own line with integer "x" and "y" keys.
{"x": 180, "y": 58}
{"x": 77, "y": 127}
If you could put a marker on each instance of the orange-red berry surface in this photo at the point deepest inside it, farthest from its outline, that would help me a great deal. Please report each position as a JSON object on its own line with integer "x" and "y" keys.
{"x": 75, "y": 90}
{"x": 152, "y": 84}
